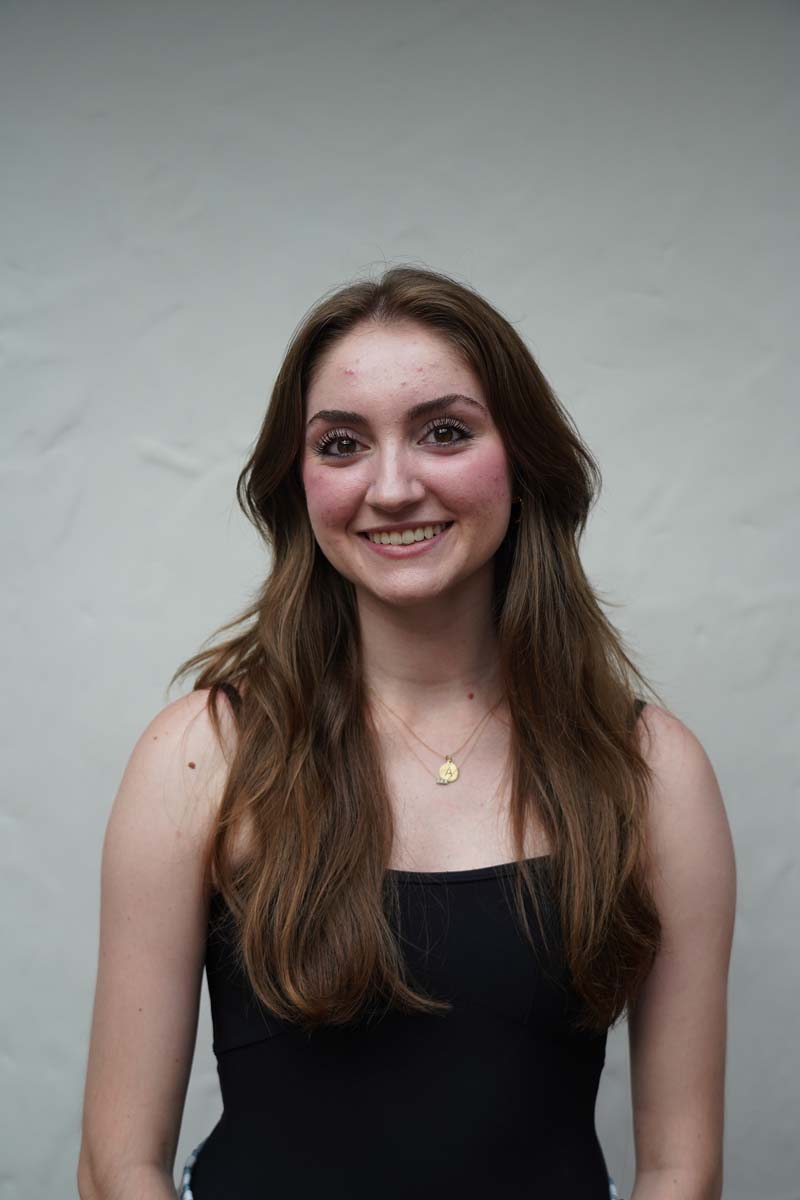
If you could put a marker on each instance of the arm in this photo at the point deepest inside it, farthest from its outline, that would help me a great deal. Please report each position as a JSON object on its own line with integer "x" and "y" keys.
{"x": 677, "y": 1029}
{"x": 153, "y": 918}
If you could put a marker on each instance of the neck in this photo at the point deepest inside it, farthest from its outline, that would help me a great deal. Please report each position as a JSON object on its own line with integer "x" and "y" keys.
{"x": 438, "y": 658}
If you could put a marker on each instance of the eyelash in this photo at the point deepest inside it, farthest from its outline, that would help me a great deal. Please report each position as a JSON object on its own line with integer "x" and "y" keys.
{"x": 336, "y": 435}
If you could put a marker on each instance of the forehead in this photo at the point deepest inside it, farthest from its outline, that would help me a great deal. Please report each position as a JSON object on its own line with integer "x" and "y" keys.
{"x": 407, "y": 357}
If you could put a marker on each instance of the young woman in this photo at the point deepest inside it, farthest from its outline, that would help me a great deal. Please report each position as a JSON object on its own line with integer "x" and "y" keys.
{"x": 413, "y": 819}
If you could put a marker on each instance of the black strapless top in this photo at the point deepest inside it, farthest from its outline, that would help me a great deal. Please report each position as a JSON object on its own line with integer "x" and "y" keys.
{"x": 496, "y": 1097}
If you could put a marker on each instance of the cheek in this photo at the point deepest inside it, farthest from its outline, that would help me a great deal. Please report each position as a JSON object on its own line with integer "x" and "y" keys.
{"x": 330, "y": 498}
{"x": 485, "y": 486}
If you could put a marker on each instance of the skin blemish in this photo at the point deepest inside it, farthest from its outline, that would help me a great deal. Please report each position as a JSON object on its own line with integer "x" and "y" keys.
{"x": 470, "y": 695}
{"x": 191, "y": 766}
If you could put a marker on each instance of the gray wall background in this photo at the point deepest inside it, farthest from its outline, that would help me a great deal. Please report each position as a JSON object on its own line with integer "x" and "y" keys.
{"x": 182, "y": 180}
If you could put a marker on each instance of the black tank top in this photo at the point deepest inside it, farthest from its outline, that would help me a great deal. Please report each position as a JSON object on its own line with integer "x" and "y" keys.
{"x": 495, "y": 1097}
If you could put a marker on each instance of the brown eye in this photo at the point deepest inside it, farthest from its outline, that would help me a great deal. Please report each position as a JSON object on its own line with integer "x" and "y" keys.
{"x": 451, "y": 423}
{"x": 330, "y": 438}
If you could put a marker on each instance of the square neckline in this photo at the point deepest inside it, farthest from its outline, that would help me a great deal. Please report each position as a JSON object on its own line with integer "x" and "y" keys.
{"x": 464, "y": 875}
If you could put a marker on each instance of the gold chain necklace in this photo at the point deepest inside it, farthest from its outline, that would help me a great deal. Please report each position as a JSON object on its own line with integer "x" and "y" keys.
{"x": 448, "y": 765}
{"x": 448, "y": 771}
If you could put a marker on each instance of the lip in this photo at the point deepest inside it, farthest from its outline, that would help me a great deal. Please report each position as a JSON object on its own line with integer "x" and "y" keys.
{"x": 409, "y": 551}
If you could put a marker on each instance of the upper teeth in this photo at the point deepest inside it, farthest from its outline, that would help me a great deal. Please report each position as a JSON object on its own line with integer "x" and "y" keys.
{"x": 394, "y": 538}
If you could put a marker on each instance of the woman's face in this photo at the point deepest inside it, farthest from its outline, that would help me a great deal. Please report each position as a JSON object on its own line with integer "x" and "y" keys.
{"x": 370, "y": 462}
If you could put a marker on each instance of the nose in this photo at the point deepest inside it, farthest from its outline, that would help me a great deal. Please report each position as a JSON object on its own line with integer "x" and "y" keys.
{"x": 394, "y": 484}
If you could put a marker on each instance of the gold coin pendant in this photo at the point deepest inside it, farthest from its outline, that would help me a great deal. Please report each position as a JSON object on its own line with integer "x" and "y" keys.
{"x": 448, "y": 772}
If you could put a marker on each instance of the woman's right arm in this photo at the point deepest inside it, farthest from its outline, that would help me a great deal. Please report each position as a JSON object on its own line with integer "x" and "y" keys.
{"x": 153, "y": 915}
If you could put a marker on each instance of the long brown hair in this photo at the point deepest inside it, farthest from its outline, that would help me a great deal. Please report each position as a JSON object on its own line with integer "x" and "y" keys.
{"x": 311, "y": 898}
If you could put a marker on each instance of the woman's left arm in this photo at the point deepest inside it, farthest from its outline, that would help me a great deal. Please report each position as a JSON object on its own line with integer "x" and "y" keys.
{"x": 678, "y": 1027}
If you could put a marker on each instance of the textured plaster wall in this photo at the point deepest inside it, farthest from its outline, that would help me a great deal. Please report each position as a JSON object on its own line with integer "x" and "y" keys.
{"x": 181, "y": 180}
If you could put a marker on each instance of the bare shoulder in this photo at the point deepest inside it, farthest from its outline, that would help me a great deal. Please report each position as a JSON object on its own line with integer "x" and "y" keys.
{"x": 689, "y": 836}
{"x": 692, "y": 869}
{"x": 177, "y": 769}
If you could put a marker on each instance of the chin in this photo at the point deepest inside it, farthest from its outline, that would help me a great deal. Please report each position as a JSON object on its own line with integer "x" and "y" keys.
{"x": 407, "y": 597}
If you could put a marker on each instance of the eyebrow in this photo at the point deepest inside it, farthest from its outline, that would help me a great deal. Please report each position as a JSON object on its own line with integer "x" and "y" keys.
{"x": 413, "y": 414}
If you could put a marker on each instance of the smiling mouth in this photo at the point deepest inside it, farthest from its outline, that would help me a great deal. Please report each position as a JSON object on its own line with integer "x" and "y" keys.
{"x": 428, "y": 533}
